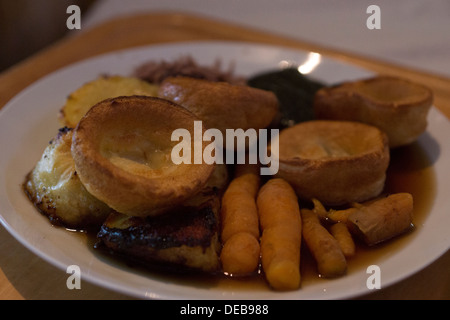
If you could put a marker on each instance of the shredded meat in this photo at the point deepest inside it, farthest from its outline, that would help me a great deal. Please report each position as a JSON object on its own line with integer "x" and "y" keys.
{"x": 157, "y": 71}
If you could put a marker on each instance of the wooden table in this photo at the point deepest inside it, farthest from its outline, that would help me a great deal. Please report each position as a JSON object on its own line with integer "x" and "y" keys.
{"x": 23, "y": 275}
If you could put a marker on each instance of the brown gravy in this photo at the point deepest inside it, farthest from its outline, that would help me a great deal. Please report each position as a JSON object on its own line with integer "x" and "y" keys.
{"x": 410, "y": 171}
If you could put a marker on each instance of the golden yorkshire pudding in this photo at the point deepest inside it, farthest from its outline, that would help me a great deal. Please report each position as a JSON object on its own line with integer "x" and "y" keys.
{"x": 397, "y": 106}
{"x": 222, "y": 105}
{"x": 336, "y": 162}
{"x": 122, "y": 152}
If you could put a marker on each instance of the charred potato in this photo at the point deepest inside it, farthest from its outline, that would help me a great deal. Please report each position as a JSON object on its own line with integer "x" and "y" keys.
{"x": 185, "y": 239}
{"x": 55, "y": 189}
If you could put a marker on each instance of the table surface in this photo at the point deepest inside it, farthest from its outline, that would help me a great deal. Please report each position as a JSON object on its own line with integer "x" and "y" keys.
{"x": 412, "y": 33}
{"x": 23, "y": 275}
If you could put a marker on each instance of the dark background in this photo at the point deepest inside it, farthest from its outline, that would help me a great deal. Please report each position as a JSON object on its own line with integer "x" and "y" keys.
{"x": 27, "y": 26}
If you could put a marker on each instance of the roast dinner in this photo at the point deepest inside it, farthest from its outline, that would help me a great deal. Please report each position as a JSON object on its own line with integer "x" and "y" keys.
{"x": 108, "y": 170}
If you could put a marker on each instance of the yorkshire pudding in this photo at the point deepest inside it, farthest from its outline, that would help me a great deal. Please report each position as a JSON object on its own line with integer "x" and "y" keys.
{"x": 222, "y": 105}
{"x": 397, "y": 106}
{"x": 336, "y": 162}
{"x": 122, "y": 152}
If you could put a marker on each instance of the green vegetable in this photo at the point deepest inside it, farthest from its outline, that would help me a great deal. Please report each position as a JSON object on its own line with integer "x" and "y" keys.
{"x": 295, "y": 93}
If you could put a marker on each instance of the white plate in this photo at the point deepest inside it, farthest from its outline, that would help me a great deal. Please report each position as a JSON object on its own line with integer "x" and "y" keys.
{"x": 29, "y": 121}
